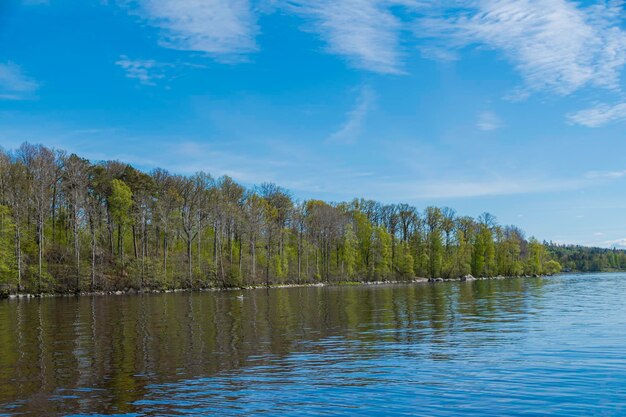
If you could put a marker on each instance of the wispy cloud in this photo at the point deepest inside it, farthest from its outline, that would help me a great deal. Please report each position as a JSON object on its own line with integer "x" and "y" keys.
{"x": 351, "y": 128}
{"x": 365, "y": 32}
{"x": 14, "y": 85}
{"x": 606, "y": 174}
{"x": 557, "y": 46}
{"x": 488, "y": 120}
{"x": 598, "y": 115}
{"x": 617, "y": 243}
{"x": 222, "y": 29}
{"x": 146, "y": 71}
{"x": 467, "y": 188}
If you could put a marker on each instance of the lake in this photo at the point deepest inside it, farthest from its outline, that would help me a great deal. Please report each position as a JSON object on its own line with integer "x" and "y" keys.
{"x": 535, "y": 346}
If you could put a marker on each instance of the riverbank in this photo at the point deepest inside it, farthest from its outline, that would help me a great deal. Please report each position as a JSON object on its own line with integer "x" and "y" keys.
{"x": 133, "y": 291}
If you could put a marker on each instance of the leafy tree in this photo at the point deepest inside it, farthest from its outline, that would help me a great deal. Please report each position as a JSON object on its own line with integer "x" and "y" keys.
{"x": 405, "y": 261}
{"x": 536, "y": 254}
{"x": 381, "y": 253}
{"x": 57, "y": 211}
{"x": 349, "y": 251}
{"x": 552, "y": 267}
{"x": 120, "y": 203}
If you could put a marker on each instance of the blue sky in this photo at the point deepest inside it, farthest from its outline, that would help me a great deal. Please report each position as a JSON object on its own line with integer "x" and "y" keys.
{"x": 515, "y": 107}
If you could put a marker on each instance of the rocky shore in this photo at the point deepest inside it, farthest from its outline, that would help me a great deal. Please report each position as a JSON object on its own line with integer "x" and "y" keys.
{"x": 133, "y": 291}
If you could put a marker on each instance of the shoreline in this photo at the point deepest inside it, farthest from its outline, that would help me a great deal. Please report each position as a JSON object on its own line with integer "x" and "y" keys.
{"x": 467, "y": 278}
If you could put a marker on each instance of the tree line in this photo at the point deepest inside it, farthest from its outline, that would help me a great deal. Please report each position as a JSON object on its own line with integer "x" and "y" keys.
{"x": 67, "y": 224}
{"x": 588, "y": 259}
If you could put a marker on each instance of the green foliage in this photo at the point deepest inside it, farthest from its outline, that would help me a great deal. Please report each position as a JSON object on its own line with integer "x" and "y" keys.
{"x": 584, "y": 259}
{"x": 483, "y": 259}
{"x": 120, "y": 202}
{"x": 364, "y": 236}
{"x": 113, "y": 227}
{"x": 381, "y": 251}
{"x": 536, "y": 255}
{"x": 434, "y": 235}
{"x": 552, "y": 267}
{"x": 7, "y": 249}
{"x": 404, "y": 263}
{"x": 349, "y": 252}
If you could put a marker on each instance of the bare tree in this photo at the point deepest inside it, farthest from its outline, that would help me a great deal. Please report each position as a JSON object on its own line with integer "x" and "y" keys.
{"x": 18, "y": 190}
{"x": 75, "y": 179}
{"x": 193, "y": 193}
{"x": 40, "y": 162}
{"x": 166, "y": 203}
{"x": 254, "y": 221}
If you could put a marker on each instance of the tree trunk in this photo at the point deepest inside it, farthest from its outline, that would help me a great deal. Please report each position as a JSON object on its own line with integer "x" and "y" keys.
{"x": 307, "y": 265}
{"x": 110, "y": 229}
{"x": 200, "y": 252}
{"x": 215, "y": 248}
{"x": 269, "y": 259}
{"x": 317, "y": 266}
{"x": 76, "y": 251}
{"x": 165, "y": 253}
{"x": 299, "y": 254}
{"x": 40, "y": 248}
{"x": 253, "y": 256}
{"x": 143, "y": 249}
{"x": 53, "y": 208}
{"x": 93, "y": 258}
{"x": 189, "y": 259}
{"x": 18, "y": 254}
{"x": 135, "y": 242}
{"x": 240, "y": 259}
{"x": 221, "y": 260}
{"x": 119, "y": 241}
{"x": 230, "y": 243}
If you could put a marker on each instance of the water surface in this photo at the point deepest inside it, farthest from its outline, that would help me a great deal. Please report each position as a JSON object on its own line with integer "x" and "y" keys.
{"x": 542, "y": 346}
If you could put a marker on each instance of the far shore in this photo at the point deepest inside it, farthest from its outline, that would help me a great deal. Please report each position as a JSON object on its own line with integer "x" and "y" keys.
{"x": 133, "y": 291}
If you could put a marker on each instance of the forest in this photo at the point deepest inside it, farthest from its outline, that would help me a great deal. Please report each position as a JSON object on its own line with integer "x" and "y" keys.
{"x": 71, "y": 225}
{"x": 577, "y": 258}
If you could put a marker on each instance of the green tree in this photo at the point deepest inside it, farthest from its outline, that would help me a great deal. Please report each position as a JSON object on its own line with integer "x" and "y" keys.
{"x": 192, "y": 230}
{"x": 364, "y": 233}
{"x": 349, "y": 252}
{"x": 404, "y": 263}
{"x": 552, "y": 267}
{"x": 7, "y": 253}
{"x": 381, "y": 253}
{"x": 434, "y": 219}
{"x": 120, "y": 203}
{"x": 535, "y": 259}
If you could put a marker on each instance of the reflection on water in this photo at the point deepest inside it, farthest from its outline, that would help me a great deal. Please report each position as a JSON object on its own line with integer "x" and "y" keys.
{"x": 553, "y": 346}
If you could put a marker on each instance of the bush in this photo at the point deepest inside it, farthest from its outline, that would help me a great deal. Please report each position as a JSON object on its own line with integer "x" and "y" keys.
{"x": 552, "y": 267}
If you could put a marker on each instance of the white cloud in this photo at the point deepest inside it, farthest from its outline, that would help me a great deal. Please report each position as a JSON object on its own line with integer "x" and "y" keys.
{"x": 464, "y": 188}
{"x": 363, "y": 31}
{"x": 146, "y": 71}
{"x": 351, "y": 128}
{"x": 617, "y": 243}
{"x": 598, "y": 115}
{"x": 556, "y": 45}
{"x": 223, "y": 29}
{"x": 488, "y": 120}
{"x": 606, "y": 174}
{"x": 14, "y": 85}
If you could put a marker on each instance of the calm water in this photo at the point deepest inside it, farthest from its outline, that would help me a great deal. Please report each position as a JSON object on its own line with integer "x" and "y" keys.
{"x": 554, "y": 346}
